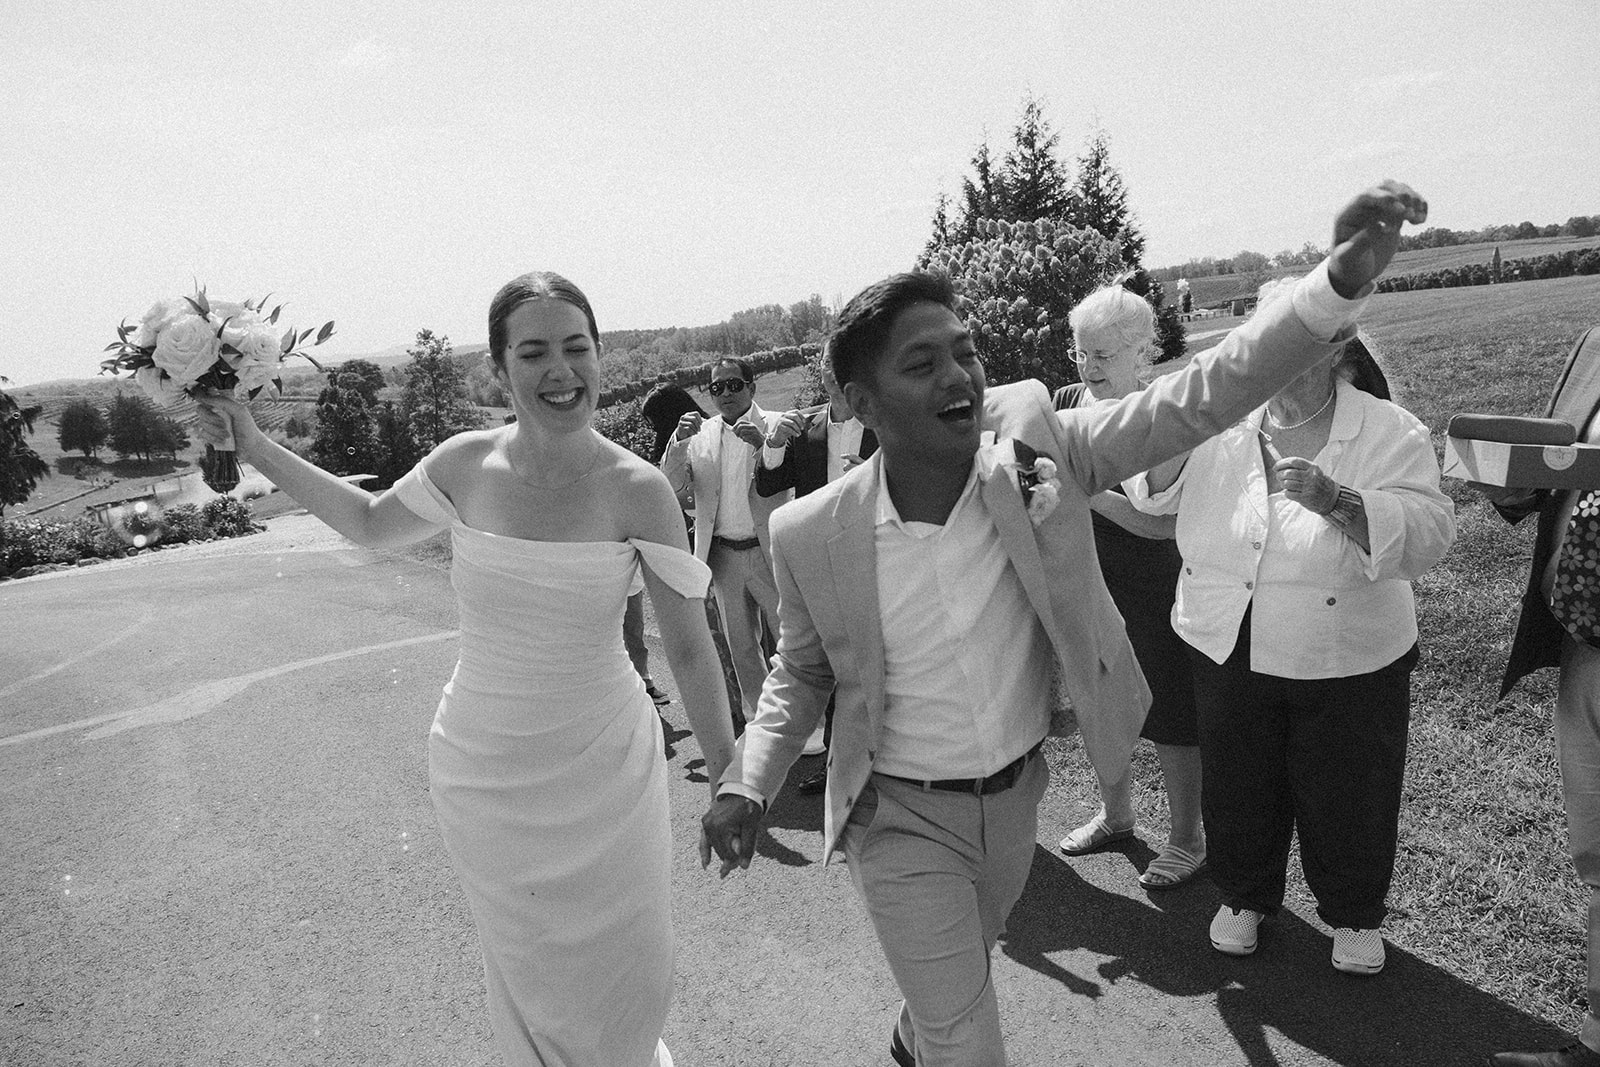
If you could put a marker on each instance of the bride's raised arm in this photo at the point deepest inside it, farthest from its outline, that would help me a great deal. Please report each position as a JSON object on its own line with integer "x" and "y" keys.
{"x": 373, "y": 521}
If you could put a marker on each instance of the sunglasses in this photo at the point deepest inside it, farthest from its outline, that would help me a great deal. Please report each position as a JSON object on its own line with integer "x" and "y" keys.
{"x": 726, "y": 385}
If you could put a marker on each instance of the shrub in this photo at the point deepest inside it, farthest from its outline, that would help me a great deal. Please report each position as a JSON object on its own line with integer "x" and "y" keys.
{"x": 227, "y": 517}
{"x": 1589, "y": 262}
{"x": 35, "y": 542}
{"x": 184, "y": 523}
{"x": 624, "y": 424}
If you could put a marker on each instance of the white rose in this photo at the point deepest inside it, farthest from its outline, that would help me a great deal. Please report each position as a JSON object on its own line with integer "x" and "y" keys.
{"x": 157, "y": 318}
{"x": 186, "y": 348}
{"x": 257, "y": 345}
{"x": 254, "y": 376}
{"x": 164, "y": 391}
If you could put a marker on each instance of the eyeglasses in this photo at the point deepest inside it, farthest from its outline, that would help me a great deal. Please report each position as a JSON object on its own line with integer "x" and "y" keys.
{"x": 1102, "y": 358}
{"x": 726, "y": 385}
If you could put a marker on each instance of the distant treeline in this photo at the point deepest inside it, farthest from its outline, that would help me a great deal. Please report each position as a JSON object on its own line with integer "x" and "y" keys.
{"x": 1532, "y": 268}
{"x": 1433, "y": 237}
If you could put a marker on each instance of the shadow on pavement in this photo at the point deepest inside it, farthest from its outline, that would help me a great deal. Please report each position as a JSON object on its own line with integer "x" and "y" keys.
{"x": 1413, "y": 1012}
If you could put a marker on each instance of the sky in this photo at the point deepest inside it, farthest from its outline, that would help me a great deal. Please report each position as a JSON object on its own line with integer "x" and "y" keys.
{"x": 389, "y": 166}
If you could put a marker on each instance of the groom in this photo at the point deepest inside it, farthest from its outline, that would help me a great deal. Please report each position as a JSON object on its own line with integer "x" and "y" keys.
{"x": 922, "y": 590}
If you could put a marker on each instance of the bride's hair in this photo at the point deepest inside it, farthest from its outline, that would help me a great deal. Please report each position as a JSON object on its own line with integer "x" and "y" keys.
{"x": 535, "y": 285}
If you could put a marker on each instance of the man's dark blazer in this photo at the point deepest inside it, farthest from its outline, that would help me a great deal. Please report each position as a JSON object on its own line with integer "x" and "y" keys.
{"x": 1576, "y": 399}
{"x": 805, "y": 463}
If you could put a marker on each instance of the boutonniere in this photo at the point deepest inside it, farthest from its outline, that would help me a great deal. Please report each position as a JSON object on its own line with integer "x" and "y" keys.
{"x": 1038, "y": 480}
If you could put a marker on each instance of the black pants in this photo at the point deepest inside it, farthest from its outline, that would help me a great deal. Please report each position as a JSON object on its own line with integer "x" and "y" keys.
{"x": 1325, "y": 757}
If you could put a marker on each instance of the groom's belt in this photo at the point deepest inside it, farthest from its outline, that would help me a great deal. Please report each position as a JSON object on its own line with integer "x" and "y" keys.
{"x": 737, "y": 544}
{"x": 998, "y": 782}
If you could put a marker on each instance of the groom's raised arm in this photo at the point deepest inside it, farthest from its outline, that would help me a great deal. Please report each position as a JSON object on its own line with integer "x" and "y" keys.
{"x": 1106, "y": 443}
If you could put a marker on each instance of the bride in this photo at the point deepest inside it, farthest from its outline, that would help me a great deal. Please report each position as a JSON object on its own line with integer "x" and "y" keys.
{"x": 544, "y": 760}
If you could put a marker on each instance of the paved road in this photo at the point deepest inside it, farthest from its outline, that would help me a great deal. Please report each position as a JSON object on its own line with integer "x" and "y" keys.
{"x": 218, "y": 849}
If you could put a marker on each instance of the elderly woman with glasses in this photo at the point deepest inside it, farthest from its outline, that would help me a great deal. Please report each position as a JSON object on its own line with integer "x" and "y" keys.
{"x": 1114, "y": 333}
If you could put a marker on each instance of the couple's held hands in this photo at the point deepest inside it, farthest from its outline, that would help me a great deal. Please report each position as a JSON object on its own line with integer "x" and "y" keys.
{"x": 730, "y": 828}
{"x": 1366, "y": 234}
{"x": 789, "y": 426}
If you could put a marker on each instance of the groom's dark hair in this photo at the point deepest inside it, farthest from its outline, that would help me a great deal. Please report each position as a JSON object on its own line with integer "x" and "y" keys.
{"x": 858, "y": 338}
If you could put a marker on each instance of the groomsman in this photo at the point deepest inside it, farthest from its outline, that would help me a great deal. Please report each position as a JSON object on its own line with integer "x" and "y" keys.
{"x": 1558, "y": 628}
{"x": 805, "y": 451}
{"x": 711, "y": 463}
{"x": 937, "y": 588}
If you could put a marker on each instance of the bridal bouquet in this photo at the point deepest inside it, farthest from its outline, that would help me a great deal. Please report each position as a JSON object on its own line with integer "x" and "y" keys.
{"x": 195, "y": 346}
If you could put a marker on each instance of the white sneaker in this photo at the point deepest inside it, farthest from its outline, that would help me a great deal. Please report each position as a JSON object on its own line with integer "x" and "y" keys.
{"x": 1357, "y": 951}
{"x": 1234, "y": 930}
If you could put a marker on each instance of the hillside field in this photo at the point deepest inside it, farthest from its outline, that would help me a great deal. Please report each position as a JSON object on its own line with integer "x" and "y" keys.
{"x": 1209, "y": 290}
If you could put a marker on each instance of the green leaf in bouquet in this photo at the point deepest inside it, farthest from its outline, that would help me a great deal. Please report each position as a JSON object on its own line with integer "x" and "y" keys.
{"x": 114, "y": 346}
{"x": 277, "y": 383}
{"x": 287, "y": 344}
{"x": 325, "y": 333}
{"x": 304, "y": 334}
{"x": 200, "y": 309}
{"x": 228, "y": 350}
{"x": 224, "y": 326}
{"x": 273, "y": 318}
{"x": 311, "y": 360}
{"x": 256, "y": 390}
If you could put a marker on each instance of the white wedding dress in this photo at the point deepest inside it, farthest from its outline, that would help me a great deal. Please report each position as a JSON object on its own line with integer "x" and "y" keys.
{"x": 550, "y": 787}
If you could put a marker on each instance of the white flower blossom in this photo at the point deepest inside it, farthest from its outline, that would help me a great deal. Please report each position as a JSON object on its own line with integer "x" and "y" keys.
{"x": 186, "y": 348}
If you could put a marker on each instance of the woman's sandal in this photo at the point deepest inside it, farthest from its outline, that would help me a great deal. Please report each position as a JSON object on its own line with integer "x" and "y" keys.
{"x": 1172, "y": 868}
{"x": 1093, "y": 836}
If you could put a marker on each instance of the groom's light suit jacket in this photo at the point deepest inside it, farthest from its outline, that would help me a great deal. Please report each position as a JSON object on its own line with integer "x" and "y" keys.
{"x": 825, "y": 560}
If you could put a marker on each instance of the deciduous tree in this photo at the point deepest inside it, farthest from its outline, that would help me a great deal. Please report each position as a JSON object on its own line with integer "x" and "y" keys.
{"x": 81, "y": 428}
{"x": 434, "y": 404}
{"x": 1015, "y": 284}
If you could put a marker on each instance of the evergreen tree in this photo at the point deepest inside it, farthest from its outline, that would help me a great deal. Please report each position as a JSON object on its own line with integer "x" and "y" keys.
{"x": 942, "y": 235}
{"x": 1033, "y": 181}
{"x": 20, "y": 466}
{"x": 1100, "y": 200}
{"x": 82, "y": 428}
{"x": 983, "y": 198}
{"x": 434, "y": 404}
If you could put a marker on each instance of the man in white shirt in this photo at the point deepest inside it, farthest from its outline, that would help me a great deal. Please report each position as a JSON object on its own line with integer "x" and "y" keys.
{"x": 941, "y": 588}
{"x": 711, "y": 464}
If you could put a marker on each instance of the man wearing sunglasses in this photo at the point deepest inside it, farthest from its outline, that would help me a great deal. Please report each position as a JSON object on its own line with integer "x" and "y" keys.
{"x": 711, "y": 463}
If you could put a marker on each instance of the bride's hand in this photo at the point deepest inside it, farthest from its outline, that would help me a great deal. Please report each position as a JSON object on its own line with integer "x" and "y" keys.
{"x": 226, "y": 423}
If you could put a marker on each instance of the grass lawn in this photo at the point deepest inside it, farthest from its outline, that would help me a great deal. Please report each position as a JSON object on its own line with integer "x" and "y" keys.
{"x": 1484, "y": 888}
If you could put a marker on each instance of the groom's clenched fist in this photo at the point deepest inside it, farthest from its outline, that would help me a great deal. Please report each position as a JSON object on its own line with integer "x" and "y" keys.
{"x": 729, "y": 828}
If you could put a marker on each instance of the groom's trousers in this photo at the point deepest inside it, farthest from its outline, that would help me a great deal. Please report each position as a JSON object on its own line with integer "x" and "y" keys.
{"x": 938, "y": 873}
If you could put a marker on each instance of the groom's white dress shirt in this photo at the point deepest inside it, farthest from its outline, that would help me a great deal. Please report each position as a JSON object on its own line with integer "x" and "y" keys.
{"x": 966, "y": 660}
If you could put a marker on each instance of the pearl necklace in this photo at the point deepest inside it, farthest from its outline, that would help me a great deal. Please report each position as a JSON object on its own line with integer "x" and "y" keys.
{"x": 1331, "y": 394}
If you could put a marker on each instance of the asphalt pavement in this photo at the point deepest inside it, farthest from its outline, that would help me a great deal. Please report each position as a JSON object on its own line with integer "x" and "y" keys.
{"x": 219, "y": 849}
